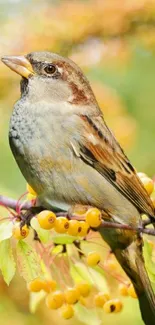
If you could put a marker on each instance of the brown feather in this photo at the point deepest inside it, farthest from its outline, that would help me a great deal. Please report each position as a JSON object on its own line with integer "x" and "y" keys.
{"x": 108, "y": 158}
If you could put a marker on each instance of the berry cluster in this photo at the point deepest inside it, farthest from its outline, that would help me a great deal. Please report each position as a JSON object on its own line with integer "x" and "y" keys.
{"x": 103, "y": 300}
{"x": 64, "y": 297}
{"x": 48, "y": 220}
{"x": 65, "y": 300}
{"x": 56, "y": 299}
{"x": 127, "y": 290}
{"x": 147, "y": 183}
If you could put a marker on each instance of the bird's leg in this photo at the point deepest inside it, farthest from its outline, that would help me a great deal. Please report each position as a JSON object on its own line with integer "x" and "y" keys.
{"x": 28, "y": 215}
{"x": 78, "y": 211}
{"x": 35, "y": 236}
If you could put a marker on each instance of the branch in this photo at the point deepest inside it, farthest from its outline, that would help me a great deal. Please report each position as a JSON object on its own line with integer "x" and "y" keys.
{"x": 27, "y": 206}
{"x": 139, "y": 229}
{"x": 115, "y": 225}
{"x": 12, "y": 204}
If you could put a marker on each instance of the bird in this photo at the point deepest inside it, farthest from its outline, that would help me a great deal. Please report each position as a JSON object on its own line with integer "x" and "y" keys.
{"x": 69, "y": 156}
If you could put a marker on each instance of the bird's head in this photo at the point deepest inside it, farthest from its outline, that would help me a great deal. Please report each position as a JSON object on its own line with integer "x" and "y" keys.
{"x": 49, "y": 76}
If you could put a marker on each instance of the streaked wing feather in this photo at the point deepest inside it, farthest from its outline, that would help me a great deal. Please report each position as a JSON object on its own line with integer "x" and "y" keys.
{"x": 100, "y": 149}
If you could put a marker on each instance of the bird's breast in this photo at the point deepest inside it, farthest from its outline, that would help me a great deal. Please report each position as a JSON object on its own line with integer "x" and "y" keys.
{"x": 38, "y": 144}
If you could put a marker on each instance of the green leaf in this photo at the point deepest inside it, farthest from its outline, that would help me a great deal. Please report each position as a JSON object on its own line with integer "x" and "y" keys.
{"x": 35, "y": 299}
{"x": 57, "y": 250}
{"x": 44, "y": 235}
{"x": 75, "y": 274}
{"x": 87, "y": 316}
{"x": 80, "y": 272}
{"x": 94, "y": 276}
{"x": 5, "y": 230}
{"x": 28, "y": 261}
{"x": 72, "y": 252}
{"x": 63, "y": 239}
{"x": 7, "y": 262}
{"x": 98, "y": 279}
{"x": 150, "y": 265}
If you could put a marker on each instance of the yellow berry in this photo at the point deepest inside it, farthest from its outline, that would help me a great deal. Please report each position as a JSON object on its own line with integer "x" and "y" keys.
{"x": 131, "y": 291}
{"x": 93, "y": 258}
{"x": 141, "y": 175}
{"x": 61, "y": 225}
{"x": 57, "y": 250}
{"x": 46, "y": 219}
{"x": 20, "y": 233}
{"x": 30, "y": 190}
{"x": 113, "y": 306}
{"x": 148, "y": 184}
{"x": 93, "y": 217}
{"x": 67, "y": 311}
{"x": 151, "y": 243}
{"x": 111, "y": 264}
{"x": 153, "y": 201}
{"x": 123, "y": 289}
{"x": 50, "y": 285}
{"x": 100, "y": 299}
{"x": 30, "y": 197}
{"x": 55, "y": 300}
{"x": 83, "y": 228}
{"x": 80, "y": 210}
{"x": 72, "y": 295}
{"x": 83, "y": 288}
{"x": 82, "y": 301}
{"x": 73, "y": 227}
{"x": 36, "y": 285}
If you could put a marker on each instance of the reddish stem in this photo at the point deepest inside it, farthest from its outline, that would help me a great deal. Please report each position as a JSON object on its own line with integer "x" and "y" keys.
{"x": 18, "y": 206}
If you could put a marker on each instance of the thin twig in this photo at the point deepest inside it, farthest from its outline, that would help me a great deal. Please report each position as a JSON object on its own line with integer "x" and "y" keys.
{"x": 12, "y": 203}
{"x": 28, "y": 205}
{"x": 139, "y": 229}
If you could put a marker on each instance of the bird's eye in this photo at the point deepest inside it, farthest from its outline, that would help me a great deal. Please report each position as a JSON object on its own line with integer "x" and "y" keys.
{"x": 50, "y": 68}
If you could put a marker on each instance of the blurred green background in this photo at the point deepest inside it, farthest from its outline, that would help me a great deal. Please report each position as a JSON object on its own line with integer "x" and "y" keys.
{"x": 114, "y": 43}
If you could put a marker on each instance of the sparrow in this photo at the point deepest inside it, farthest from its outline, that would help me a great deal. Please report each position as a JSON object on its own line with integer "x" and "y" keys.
{"x": 69, "y": 156}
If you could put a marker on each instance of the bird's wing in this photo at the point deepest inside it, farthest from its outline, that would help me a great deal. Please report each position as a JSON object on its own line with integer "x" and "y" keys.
{"x": 99, "y": 148}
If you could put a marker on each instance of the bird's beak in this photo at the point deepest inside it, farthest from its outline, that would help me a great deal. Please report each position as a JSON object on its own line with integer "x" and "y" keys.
{"x": 19, "y": 64}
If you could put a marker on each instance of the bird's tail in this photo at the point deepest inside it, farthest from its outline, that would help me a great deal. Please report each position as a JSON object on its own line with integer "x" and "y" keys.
{"x": 132, "y": 262}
